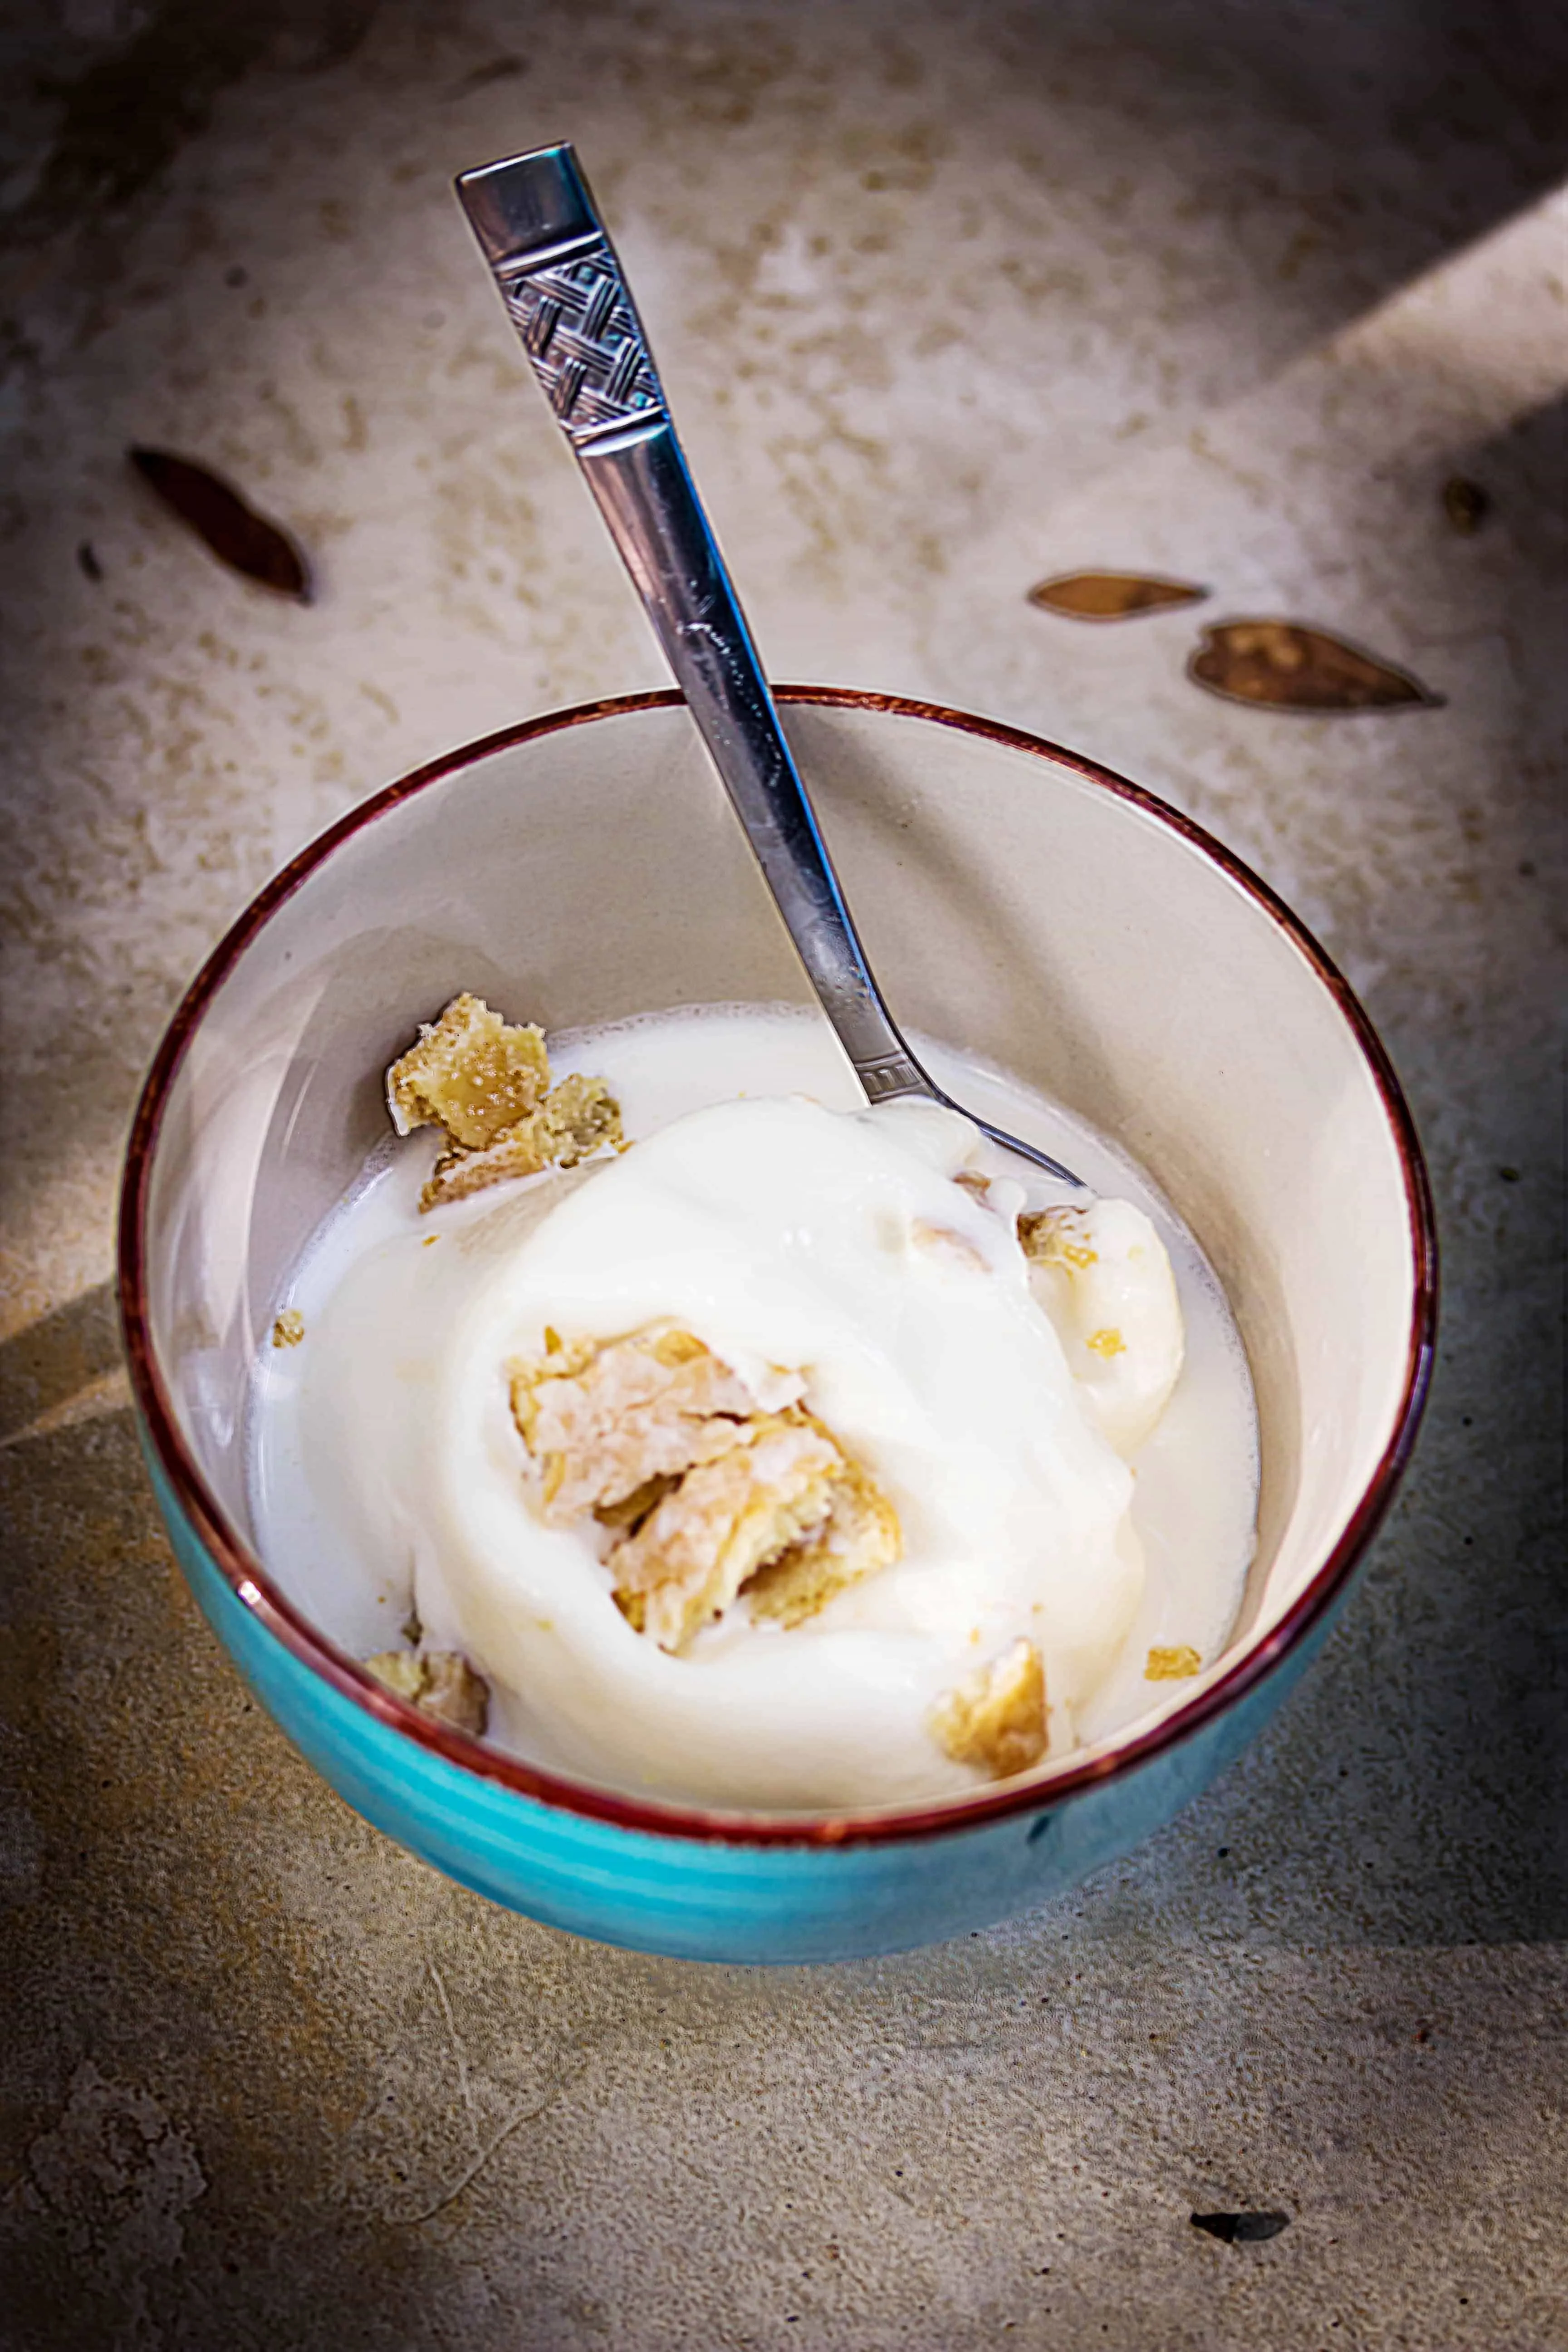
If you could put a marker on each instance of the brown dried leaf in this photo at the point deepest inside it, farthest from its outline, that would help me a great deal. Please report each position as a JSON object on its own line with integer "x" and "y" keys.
{"x": 1112, "y": 596}
{"x": 1288, "y": 666}
{"x": 220, "y": 517}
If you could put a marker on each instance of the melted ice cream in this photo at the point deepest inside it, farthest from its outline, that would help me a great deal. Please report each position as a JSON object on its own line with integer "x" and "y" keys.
{"x": 996, "y": 1402}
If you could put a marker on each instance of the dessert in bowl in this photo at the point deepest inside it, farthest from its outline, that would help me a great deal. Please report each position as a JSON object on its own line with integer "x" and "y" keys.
{"x": 752, "y": 1447}
{"x": 943, "y": 1581}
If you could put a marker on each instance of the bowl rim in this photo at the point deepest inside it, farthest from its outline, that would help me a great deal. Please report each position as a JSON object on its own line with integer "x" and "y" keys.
{"x": 248, "y": 1579}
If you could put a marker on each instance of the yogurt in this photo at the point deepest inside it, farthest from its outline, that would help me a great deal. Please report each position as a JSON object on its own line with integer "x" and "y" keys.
{"x": 1017, "y": 1430}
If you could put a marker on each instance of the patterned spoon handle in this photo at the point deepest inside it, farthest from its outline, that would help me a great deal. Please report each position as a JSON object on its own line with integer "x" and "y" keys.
{"x": 564, "y": 291}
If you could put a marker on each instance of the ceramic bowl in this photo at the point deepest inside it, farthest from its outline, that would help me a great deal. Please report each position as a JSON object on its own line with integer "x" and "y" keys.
{"x": 1017, "y": 900}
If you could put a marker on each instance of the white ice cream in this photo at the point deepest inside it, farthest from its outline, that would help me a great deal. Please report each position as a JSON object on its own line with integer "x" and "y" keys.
{"x": 1109, "y": 1292}
{"x": 783, "y": 1234}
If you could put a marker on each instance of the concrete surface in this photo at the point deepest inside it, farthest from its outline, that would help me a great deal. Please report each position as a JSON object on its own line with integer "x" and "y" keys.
{"x": 949, "y": 296}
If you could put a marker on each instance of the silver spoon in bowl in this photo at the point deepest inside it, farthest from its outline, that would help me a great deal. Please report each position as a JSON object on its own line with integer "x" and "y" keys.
{"x": 564, "y": 291}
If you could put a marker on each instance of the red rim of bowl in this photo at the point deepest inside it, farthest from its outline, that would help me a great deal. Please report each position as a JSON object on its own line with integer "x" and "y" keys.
{"x": 249, "y": 1580}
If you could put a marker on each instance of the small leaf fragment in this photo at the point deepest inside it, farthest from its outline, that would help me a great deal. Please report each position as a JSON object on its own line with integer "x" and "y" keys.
{"x": 1241, "y": 2229}
{"x": 246, "y": 541}
{"x": 1288, "y": 666}
{"x": 1112, "y": 596}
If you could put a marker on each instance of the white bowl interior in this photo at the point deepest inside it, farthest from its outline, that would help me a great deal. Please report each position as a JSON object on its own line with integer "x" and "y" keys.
{"x": 1011, "y": 907}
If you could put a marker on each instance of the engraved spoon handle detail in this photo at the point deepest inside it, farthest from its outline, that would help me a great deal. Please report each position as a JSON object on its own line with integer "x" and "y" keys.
{"x": 563, "y": 288}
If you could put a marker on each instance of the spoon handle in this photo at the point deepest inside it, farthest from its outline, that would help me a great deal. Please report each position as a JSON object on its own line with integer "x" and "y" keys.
{"x": 563, "y": 288}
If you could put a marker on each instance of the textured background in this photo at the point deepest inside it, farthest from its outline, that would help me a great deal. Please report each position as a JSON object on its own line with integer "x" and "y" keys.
{"x": 949, "y": 297}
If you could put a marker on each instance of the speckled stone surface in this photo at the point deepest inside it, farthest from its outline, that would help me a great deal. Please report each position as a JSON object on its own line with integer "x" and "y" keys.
{"x": 949, "y": 296}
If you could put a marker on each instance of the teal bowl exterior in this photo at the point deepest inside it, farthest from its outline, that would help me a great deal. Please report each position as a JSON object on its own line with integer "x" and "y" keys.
{"x": 710, "y": 1899}
{"x": 667, "y": 1878}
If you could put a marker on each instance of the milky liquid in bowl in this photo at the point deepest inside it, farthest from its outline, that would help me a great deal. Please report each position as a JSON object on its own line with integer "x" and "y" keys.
{"x": 1195, "y": 1498}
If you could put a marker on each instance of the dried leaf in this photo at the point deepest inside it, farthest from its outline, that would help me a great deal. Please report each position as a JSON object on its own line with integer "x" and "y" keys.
{"x": 1241, "y": 2229}
{"x": 1290, "y": 668}
{"x": 235, "y": 532}
{"x": 1112, "y": 596}
{"x": 1466, "y": 504}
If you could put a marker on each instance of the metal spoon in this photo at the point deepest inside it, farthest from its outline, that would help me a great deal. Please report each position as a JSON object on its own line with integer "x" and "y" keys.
{"x": 563, "y": 288}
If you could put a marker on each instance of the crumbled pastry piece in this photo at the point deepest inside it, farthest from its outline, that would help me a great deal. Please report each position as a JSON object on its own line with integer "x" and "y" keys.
{"x": 604, "y": 1422}
{"x": 1106, "y": 1342}
{"x": 977, "y": 1186}
{"x": 1058, "y": 1237}
{"x": 632, "y": 1509}
{"x": 288, "y": 1329}
{"x": 581, "y": 1115}
{"x": 439, "y": 1683}
{"x": 1172, "y": 1665}
{"x": 695, "y": 1551}
{"x": 704, "y": 1490}
{"x": 454, "y": 1694}
{"x": 469, "y": 1073}
{"x": 403, "y": 1671}
{"x": 995, "y": 1719}
{"x": 860, "y": 1534}
{"x": 575, "y": 1118}
{"x": 487, "y": 1085}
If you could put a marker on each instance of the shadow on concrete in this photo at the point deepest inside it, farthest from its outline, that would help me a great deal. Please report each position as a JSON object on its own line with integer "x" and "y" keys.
{"x": 49, "y": 1362}
{"x": 1392, "y": 135}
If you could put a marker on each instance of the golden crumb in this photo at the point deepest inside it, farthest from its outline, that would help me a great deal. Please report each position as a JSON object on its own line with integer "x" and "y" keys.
{"x": 1056, "y": 1237}
{"x": 576, "y": 1118}
{"x": 469, "y": 1073}
{"x": 1172, "y": 1665}
{"x": 995, "y": 1719}
{"x": 691, "y": 1557}
{"x": 630, "y": 1512}
{"x": 602, "y": 1421}
{"x": 402, "y": 1671}
{"x": 1107, "y": 1343}
{"x": 454, "y": 1694}
{"x": 703, "y": 1491}
{"x": 860, "y": 1535}
{"x": 288, "y": 1329}
{"x": 487, "y": 1085}
{"x": 439, "y": 1683}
